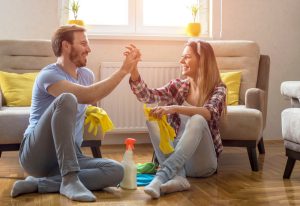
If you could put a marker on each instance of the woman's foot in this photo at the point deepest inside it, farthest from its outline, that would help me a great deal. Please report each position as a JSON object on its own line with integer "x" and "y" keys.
{"x": 178, "y": 183}
{"x": 72, "y": 188}
{"x": 29, "y": 185}
{"x": 153, "y": 189}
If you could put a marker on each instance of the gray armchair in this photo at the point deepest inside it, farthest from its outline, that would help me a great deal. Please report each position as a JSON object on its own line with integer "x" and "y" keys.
{"x": 290, "y": 122}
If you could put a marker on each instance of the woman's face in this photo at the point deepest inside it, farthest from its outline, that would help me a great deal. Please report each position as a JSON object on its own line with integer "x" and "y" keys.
{"x": 189, "y": 62}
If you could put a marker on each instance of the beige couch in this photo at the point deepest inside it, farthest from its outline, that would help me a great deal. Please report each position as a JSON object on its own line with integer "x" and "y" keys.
{"x": 20, "y": 56}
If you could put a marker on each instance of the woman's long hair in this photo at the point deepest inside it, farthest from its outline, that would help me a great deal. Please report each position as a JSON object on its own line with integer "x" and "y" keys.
{"x": 208, "y": 73}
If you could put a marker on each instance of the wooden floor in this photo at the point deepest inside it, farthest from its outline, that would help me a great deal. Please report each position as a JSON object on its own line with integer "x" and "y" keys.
{"x": 234, "y": 184}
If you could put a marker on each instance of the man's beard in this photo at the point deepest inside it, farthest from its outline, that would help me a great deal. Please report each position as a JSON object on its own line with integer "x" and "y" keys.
{"x": 75, "y": 58}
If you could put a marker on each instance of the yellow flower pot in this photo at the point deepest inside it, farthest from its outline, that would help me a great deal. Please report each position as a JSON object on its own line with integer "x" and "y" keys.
{"x": 193, "y": 29}
{"x": 77, "y": 22}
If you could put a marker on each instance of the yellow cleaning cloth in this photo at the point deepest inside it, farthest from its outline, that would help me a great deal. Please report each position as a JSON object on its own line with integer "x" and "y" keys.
{"x": 167, "y": 133}
{"x": 97, "y": 117}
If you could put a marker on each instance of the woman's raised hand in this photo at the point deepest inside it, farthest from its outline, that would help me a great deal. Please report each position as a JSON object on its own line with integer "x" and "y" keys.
{"x": 132, "y": 57}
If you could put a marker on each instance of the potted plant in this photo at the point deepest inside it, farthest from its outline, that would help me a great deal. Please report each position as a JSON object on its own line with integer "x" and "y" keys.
{"x": 194, "y": 28}
{"x": 74, "y": 7}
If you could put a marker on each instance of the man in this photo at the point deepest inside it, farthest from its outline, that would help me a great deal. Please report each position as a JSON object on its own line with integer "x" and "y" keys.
{"x": 50, "y": 150}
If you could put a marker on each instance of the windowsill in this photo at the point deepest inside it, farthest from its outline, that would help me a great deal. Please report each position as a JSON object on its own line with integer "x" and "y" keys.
{"x": 144, "y": 37}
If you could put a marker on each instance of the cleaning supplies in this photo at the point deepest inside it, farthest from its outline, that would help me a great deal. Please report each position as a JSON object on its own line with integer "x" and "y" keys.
{"x": 97, "y": 118}
{"x": 129, "y": 179}
{"x": 167, "y": 133}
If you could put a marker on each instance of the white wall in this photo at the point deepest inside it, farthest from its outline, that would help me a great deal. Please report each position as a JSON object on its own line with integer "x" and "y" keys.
{"x": 274, "y": 24}
{"x": 28, "y": 19}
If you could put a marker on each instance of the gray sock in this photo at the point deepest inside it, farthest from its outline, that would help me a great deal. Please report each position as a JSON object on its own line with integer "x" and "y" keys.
{"x": 178, "y": 183}
{"x": 29, "y": 185}
{"x": 153, "y": 189}
{"x": 72, "y": 188}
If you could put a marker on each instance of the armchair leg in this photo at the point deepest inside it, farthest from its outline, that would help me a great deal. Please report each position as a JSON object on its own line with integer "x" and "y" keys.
{"x": 261, "y": 146}
{"x": 290, "y": 163}
{"x": 252, "y": 158}
{"x": 154, "y": 159}
{"x": 96, "y": 152}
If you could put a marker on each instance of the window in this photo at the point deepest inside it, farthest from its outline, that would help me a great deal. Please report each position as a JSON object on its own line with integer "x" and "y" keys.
{"x": 140, "y": 17}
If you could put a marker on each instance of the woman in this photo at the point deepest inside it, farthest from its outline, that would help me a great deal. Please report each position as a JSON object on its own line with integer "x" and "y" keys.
{"x": 194, "y": 106}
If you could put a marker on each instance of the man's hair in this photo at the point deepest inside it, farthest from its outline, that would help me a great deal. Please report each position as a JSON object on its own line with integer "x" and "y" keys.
{"x": 64, "y": 33}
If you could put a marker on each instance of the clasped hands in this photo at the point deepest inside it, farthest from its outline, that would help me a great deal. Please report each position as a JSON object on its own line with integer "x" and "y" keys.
{"x": 132, "y": 57}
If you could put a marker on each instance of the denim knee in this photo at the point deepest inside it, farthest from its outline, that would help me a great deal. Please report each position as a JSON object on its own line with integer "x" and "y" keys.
{"x": 198, "y": 119}
{"x": 197, "y": 122}
{"x": 117, "y": 171}
{"x": 67, "y": 101}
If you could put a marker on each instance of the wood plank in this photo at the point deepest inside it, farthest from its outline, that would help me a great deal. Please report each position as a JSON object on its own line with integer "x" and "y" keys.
{"x": 234, "y": 184}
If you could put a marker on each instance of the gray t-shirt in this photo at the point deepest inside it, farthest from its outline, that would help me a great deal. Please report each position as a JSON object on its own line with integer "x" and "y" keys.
{"x": 41, "y": 99}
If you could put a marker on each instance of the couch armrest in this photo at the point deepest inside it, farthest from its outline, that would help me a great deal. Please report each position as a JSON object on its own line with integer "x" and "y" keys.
{"x": 291, "y": 89}
{"x": 255, "y": 99}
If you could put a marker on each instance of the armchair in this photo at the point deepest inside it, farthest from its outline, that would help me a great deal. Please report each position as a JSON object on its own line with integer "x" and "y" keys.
{"x": 244, "y": 124}
{"x": 21, "y": 56}
{"x": 290, "y": 121}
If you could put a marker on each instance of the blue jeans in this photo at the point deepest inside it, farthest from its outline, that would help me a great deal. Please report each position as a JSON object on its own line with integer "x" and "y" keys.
{"x": 50, "y": 152}
{"x": 194, "y": 154}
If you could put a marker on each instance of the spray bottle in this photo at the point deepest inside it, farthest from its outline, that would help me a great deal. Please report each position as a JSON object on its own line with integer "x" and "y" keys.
{"x": 130, "y": 170}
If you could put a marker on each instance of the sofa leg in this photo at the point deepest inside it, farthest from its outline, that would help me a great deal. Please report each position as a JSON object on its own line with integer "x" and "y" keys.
{"x": 252, "y": 158}
{"x": 96, "y": 152}
{"x": 290, "y": 163}
{"x": 261, "y": 146}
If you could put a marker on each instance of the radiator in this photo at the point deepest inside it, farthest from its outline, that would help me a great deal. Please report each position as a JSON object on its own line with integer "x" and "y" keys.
{"x": 122, "y": 106}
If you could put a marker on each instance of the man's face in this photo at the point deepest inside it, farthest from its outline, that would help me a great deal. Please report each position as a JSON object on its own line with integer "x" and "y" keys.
{"x": 79, "y": 49}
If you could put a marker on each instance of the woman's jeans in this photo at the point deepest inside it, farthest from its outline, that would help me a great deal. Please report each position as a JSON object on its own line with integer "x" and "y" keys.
{"x": 194, "y": 154}
{"x": 50, "y": 152}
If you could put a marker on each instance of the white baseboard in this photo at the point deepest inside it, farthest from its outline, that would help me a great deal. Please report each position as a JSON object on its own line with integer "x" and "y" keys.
{"x": 111, "y": 139}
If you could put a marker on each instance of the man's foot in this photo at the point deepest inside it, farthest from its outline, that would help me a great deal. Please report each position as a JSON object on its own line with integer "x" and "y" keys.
{"x": 178, "y": 183}
{"x": 153, "y": 189}
{"x": 73, "y": 189}
{"x": 29, "y": 185}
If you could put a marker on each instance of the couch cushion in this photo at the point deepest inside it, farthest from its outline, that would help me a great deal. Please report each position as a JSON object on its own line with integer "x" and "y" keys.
{"x": 17, "y": 88}
{"x": 22, "y": 56}
{"x": 13, "y": 122}
{"x": 232, "y": 80}
{"x": 290, "y": 122}
{"x": 241, "y": 123}
{"x": 292, "y": 145}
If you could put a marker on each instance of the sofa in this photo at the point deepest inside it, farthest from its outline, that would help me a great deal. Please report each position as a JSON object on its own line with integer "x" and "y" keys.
{"x": 23, "y": 56}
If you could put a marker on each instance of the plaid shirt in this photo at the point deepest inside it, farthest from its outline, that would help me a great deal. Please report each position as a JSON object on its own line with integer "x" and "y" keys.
{"x": 175, "y": 93}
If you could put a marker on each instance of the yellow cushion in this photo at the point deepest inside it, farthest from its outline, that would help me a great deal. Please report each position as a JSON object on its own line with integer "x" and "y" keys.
{"x": 232, "y": 81}
{"x": 17, "y": 88}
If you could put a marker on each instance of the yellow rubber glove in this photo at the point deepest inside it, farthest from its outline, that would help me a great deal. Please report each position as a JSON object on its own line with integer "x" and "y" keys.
{"x": 96, "y": 116}
{"x": 167, "y": 133}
